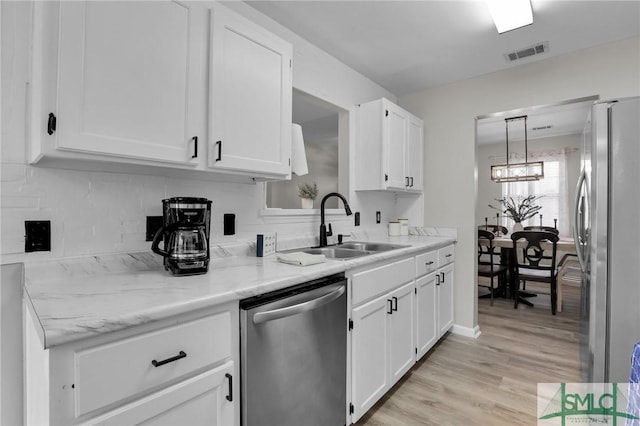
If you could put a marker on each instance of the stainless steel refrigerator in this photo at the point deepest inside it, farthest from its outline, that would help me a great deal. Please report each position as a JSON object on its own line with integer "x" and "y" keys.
{"x": 607, "y": 233}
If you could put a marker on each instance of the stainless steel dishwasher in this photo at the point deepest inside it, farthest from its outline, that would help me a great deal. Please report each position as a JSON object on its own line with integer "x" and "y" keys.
{"x": 294, "y": 355}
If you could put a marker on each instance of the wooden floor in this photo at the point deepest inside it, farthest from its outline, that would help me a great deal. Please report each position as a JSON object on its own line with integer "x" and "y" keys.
{"x": 491, "y": 380}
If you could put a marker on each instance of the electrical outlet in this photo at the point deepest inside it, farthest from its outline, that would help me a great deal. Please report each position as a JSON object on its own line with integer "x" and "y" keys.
{"x": 153, "y": 224}
{"x": 37, "y": 235}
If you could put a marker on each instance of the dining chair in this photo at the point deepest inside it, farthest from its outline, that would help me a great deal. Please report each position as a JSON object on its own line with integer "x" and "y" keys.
{"x": 569, "y": 273}
{"x": 494, "y": 228}
{"x": 489, "y": 267}
{"x": 536, "y": 262}
{"x": 542, "y": 228}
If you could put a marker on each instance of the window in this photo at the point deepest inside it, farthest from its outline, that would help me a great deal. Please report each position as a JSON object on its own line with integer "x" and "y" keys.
{"x": 552, "y": 188}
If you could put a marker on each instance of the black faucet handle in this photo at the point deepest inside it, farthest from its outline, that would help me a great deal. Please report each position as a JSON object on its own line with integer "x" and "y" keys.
{"x": 330, "y": 231}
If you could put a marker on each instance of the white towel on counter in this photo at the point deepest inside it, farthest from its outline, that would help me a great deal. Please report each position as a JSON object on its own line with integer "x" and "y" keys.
{"x": 301, "y": 258}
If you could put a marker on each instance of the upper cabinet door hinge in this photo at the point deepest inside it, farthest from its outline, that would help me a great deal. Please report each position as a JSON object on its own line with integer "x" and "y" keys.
{"x": 350, "y": 408}
{"x": 51, "y": 123}
{"x": 386, "y": 112}
{"x": 386, "y": 177}
{"x": 350, "y": 324}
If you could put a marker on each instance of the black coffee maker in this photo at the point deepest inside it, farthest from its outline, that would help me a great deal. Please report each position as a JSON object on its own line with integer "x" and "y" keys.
{"x": 185, "y": 233}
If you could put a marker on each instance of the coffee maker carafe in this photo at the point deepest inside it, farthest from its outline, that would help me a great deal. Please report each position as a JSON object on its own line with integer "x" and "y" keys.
{"x": 185, "y": 233}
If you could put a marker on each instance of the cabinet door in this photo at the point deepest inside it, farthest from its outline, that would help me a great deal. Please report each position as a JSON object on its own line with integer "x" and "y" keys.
{"x": 414, "y": 153}
{"x": 426, "y": 314}
{"x": 401, "y": 332}
{"x": 250, "y": 98}
{"x": 369, "y": 359}
{"x": 128, "y": 79}
{"x": 394, "y": 143}
{"x": 445, "y": 299}
{"x": 203, "y": 399}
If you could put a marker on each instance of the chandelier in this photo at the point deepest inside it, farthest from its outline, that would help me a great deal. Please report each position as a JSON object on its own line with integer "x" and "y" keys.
{"x": 517, "y": 172}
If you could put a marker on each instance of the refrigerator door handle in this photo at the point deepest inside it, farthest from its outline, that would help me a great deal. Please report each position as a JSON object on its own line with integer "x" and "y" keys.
{"x": 576, "y": 218}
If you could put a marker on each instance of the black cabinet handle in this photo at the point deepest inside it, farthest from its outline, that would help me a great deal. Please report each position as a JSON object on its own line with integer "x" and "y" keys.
{"x": 429, "y": 263}
{"x": 195, "y": 147}
{"x": 51, "y": 124}
{"x": 411, "y": 182}
{"x": 442, "y": 273}
{"x": 230, "y": 394}
{"x": 390, "y": 307}
{"x": 180, "y": 355}
{"x": 406, "y": 181}
{"x": 395, "y": 304}
{"x": 437, "y": 279}
{"x": 219, "y": 143}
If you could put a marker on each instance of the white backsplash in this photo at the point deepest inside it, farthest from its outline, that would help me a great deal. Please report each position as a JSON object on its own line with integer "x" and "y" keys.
{"x": 97, "y": 212}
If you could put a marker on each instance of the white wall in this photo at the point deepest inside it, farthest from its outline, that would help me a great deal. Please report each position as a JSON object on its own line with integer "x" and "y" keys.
{"x": 450, "y": 178}
{"x": 105, "y": 212}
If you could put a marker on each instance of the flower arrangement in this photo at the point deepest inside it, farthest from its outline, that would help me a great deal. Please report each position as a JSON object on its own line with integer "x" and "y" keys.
{"x": 307, "y": 190}
{"x": 520, "y": 208}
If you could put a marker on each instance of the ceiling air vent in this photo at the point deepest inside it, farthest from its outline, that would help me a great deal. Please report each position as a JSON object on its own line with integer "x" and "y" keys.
{"x": 535, "y": 49}
{"x": 548, "y": 126}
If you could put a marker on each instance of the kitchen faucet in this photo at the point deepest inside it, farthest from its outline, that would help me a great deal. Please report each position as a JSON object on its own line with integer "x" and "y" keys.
{"x": 323, "y": 229}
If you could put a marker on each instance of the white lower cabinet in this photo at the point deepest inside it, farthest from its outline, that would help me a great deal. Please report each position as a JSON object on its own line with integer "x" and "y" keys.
{"x": 370, "y": 356}
{"x": 176, "y": 371}
{"x": 201, "y": 400}
{"x": 445, "y": 299}
{"x": 399, "y": 311}
{"x": 401, "y": 334}
{"x": 426, "y": 314}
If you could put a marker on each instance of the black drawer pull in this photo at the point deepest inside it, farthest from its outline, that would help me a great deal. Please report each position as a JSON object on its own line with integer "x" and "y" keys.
{"x": 429, "y": 263}
{"x": 390, "y": 307}
{"x": 180, "y": 355}
{"x": 395, "y": 304}
{"x": 230, "y": 395}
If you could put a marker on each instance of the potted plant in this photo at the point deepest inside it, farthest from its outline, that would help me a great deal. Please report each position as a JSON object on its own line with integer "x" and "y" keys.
{"x": 307, "y": 193}
{"x": 518, "y": 209}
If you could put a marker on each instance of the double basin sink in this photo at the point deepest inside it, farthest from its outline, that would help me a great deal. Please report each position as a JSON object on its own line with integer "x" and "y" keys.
{"x": 351, "y": 249}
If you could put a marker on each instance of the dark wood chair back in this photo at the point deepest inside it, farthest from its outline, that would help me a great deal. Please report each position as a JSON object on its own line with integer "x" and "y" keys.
{"x": 541, "y": 228}
{"x": 494, "y": 228}
{"x": 486, "y": 249}
{"x": 536, "y": 261}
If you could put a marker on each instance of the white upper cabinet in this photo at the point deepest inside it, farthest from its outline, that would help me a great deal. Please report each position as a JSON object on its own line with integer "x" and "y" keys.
{"x": 127, "y": 81}
{"x": 388, "y": 148}
{"x": 413, "y": 159}
{"x": 130, "y": 83}
{"x": 250, "y": 101}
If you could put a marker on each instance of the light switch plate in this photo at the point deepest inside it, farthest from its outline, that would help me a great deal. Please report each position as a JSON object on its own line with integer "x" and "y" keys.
{"x": 266, "y": 244}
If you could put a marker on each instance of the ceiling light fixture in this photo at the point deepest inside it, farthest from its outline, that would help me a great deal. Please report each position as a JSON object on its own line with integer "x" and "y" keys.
{"x": 517, "y": 172}
{"x": 510, "y": 14}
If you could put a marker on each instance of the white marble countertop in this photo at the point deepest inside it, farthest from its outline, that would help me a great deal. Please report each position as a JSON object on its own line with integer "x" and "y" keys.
{"x": 76, "y": 298}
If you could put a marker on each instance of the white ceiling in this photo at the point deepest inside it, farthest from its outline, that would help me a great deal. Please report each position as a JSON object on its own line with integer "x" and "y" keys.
{"x": 407, "y": 46}
{"x": 542, "y": 122}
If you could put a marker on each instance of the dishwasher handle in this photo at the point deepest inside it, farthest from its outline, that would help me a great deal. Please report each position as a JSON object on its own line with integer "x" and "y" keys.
{"x": 332, "y": 293}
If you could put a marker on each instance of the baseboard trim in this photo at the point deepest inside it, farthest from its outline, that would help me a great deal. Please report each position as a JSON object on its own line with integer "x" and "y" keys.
{"x": 466, "y": 331}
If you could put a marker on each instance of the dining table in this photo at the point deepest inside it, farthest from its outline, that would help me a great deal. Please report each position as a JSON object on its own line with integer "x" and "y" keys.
{"x": 505, "y": 243}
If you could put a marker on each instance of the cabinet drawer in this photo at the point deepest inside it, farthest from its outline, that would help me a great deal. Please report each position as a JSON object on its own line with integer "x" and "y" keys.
{"x": 446, "y": 255}
{"x": 426, "y": 263}
{"x": 112, "y": 372}
{"x": 373, "y": 282}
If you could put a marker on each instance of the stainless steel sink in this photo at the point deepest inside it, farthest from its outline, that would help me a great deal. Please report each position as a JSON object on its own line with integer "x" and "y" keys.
{"x": 350, "y": 249}
{"x": 370, "y": 246}
{"x": 336, "y": 253}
